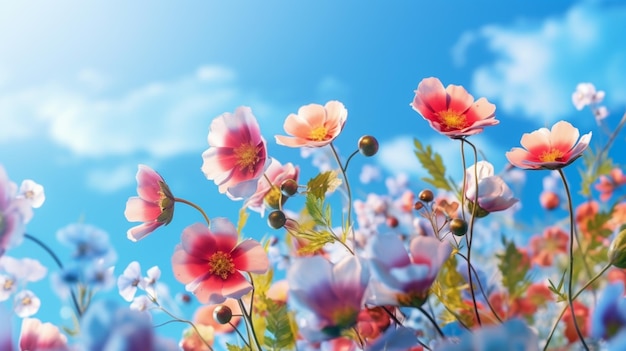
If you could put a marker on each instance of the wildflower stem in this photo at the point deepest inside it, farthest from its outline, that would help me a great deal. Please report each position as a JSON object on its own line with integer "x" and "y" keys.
{"x": 345, "y": 167}
{"x": 206, "y": 218}
{"x": 56, "y": 259}
{"x": 432, "y": 320}
{"x": 470, "y": 233}
{"x": 345, "y": 179}
{"x": 392, "y": 315}
{"x": 591, "y": 281}
{"x": 240, "y": 335}
{"x": 570, "y": 282}
{"x": 248, "y": 318}
{"x": 482, "y": 291}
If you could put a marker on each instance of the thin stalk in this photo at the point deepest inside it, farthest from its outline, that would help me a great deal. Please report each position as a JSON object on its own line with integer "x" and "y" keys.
{"x": 570, "y": 283}
{"x": 345, "y": 167}
{"x": 482, "y": 291}
{"x": 432, "y": 320}
{"x": 575, "y": 296}
{"x": 248, "y": 318}
{"x": 345, "y": 179}
{"x": 206, "y": 218}
{"x": 469, "y": 235}
{"x": 158, "y": 305}
{"x": 56, "y": 259}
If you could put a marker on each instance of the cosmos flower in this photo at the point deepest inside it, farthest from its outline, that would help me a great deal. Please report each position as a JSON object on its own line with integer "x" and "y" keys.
{"x": 328, "y": 299}
{"x": 607, "y": 184}
{"x": 314, "y": 125}
{"x": 585, "y": 95}
{"x": 402, "y": 278}
{"x": 269, "y": 194}
{"x": 452, "y": 111}
{"x": 32, "y": 192}
{"x": 237, "y": 154}
{"x": 154, "y": 206}
{"x": 210, "y": 261}
{"x": 493, "y": 193}
{"x": 545, "y": 247}
{"x": 37, "y": 336}
{"x": 549, "y": 149}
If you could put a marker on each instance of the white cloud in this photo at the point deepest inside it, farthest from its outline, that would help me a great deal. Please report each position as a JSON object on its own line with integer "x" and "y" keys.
{"x": 159, "y": 118}
{"x": 107, "y": 180}
{"x": 537, "y": 65}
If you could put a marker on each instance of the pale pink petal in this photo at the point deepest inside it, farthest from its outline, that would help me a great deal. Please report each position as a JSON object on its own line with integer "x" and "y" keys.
{"x": 314, "y": 114}
{"x": 480, "y": 111}
{"x": 459, "y": 99}
{"x": 236, "y": 286}
{"x": 187, "y": 268}
{"x": 537, "y": 140}
{"x": 139, "y": 210}
{"x": 563, "y": 136}
{"x": 197, "y": 241}
{"x": 298, "y": 126}
{"x": 431, "y": 95}
{"x": 349, "y": 280}
{"x": 250, "y": 256}
{"x": 519, "y": 158}
{"x": 148, "y": 183}
{"x": 389, "y": 250}
{"x": 224, "y": 234}
{"x": 577, "y": 151}
{"x": 336, "y": 116}
{"x": 139, "y": 232}
{"x": 429, "y": 250}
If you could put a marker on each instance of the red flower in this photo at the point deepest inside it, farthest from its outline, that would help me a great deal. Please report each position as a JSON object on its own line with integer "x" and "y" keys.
{"x": 452, "y": 111}
{"x": 210, "y": 261}
{"x": 608, "y": 184}
{"x": 154, "y": 206}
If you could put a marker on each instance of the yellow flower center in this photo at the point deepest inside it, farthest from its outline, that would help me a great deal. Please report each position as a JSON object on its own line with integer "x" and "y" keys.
{"x": 273, "y": 198}
{"x": 246, "y": 157}
{"x": 318, "y": 134}
{"x": 551, "y": 155}
{"x": 452, "y": 120}
{"x": 8, "y": 284}
{"x": 26, "y": 301}
{"x": 221, "y": 264}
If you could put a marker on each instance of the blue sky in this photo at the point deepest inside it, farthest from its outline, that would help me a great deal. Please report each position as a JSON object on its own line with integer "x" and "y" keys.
{"x": 89, "y": 90}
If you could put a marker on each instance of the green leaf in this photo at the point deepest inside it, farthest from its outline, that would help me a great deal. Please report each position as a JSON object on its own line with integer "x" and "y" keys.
{"x": 557, "y": 289}
{"x": 279, "y": 325}
{"x": 243, "y": 218}
{"x": 593, "y": 169}
{"x": 323, "y": 183}
{"x": 316, "y": 209}
{"x": 433, "y": 164}
{"x": 514, "y": 269}
{"x": 232, "y": 347}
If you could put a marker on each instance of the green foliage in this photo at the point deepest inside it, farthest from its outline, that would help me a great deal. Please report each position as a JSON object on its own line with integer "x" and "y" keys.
{"x": 514, "y": 269}
{"x": 448, "y": 287}
{"x": 319, "y": 212}
{"x": 593, "y": 168}
{"x": 557, "y": 289}
{"x": 232, "y": 347}
{"x": 433, "y": 164}
{"x": 243, "y": 218}
{"x": 279, "y": 325}
{"x": 323, "y": 183}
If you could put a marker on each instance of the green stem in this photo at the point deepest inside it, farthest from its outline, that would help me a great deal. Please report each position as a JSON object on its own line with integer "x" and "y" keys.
{"x": 206, "y": 218}
{"x": 248, "y": 318}
{"x": 345, "y": 167}
{"x": 575, "y": 296}
{"x": 468, "y": 237}
{"x": 345, "y": 179}
{"x": 433, "y": 321}
{"x": 482, "y": 291}
{"x": 570, "y": 283}
{"x": 79, "y": 310}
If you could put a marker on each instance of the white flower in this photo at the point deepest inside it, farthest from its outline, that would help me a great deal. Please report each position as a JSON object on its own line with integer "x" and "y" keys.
{"x": 26, "y": 303}
{"x": 128, "y": 282}
{"x": 32, "y": 192}
{"x": 586, "y": 94}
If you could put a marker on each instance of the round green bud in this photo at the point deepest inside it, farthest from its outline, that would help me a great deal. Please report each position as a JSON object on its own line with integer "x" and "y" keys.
{"x": 458, "y": 227}
{"x": 617, "y": 250}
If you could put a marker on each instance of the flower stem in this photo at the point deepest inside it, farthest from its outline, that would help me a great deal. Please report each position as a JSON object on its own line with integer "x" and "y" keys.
{"x": 248, "y": 318}
{"x": 345, "y": 179}
{"x": 432, "y": 320}
{"x": 470, "y": 233}
{"x": 570, "y": 282}
{"x": 482, "y": 291}
{"x": 79, "y": 310}
{"x": 206, "y": 218}
{"x": 591, "y": 281}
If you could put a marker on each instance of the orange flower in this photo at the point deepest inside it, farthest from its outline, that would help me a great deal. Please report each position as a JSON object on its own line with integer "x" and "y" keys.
{"x": 553, "y": 241}
{"x": 204, "y": 316}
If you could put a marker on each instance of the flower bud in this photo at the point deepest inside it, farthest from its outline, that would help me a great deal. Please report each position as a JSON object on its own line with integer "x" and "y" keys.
{"x": 426, "y": 195}
{"x": 549, "y": 200}
{"x": 222, "y": 314}
{"x": 617, "y": 250}
{"x": 478, "y": 212}
{"x": 276, "y": 219}
{"x": 289, "y": 187}
{"x": 458, "y": 227}
{"x": 368, "y": 145}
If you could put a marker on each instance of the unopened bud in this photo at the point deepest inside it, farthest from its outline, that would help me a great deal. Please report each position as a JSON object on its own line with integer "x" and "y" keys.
{"x": 617, "y": 250}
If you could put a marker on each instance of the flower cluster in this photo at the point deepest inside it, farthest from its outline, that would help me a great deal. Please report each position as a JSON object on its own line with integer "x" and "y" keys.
{"x": 444, "y": 266}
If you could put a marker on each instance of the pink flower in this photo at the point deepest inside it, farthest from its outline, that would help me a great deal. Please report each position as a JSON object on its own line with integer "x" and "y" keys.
{"x": 314, "y": 125}
{"x": 237, "y": 154}
{"x": 403, "y": 278}
{"x": 586, "y": 94}
{"x": 269, "y": 194}
{"x": 609, "y": 183}
{"x": 154, "y": 206}
{"x": 210, "y": 262}
{"x": 544, "y": 248}
{"x": 37, "y": 336}
{"x": 15, "y": 212}
{"x": 329, "y": 296}
{"x": 452, "y": 111}
{"x": 493, "y": 193}
{"x": 549, "y": 149}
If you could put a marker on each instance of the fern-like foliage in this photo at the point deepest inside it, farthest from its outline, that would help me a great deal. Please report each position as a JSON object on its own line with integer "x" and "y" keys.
{"x": 514, "y": 269}
{"x": 323, "y": 183}
{"x": 280, "y": 326}
{"x": 433, "y": 164}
